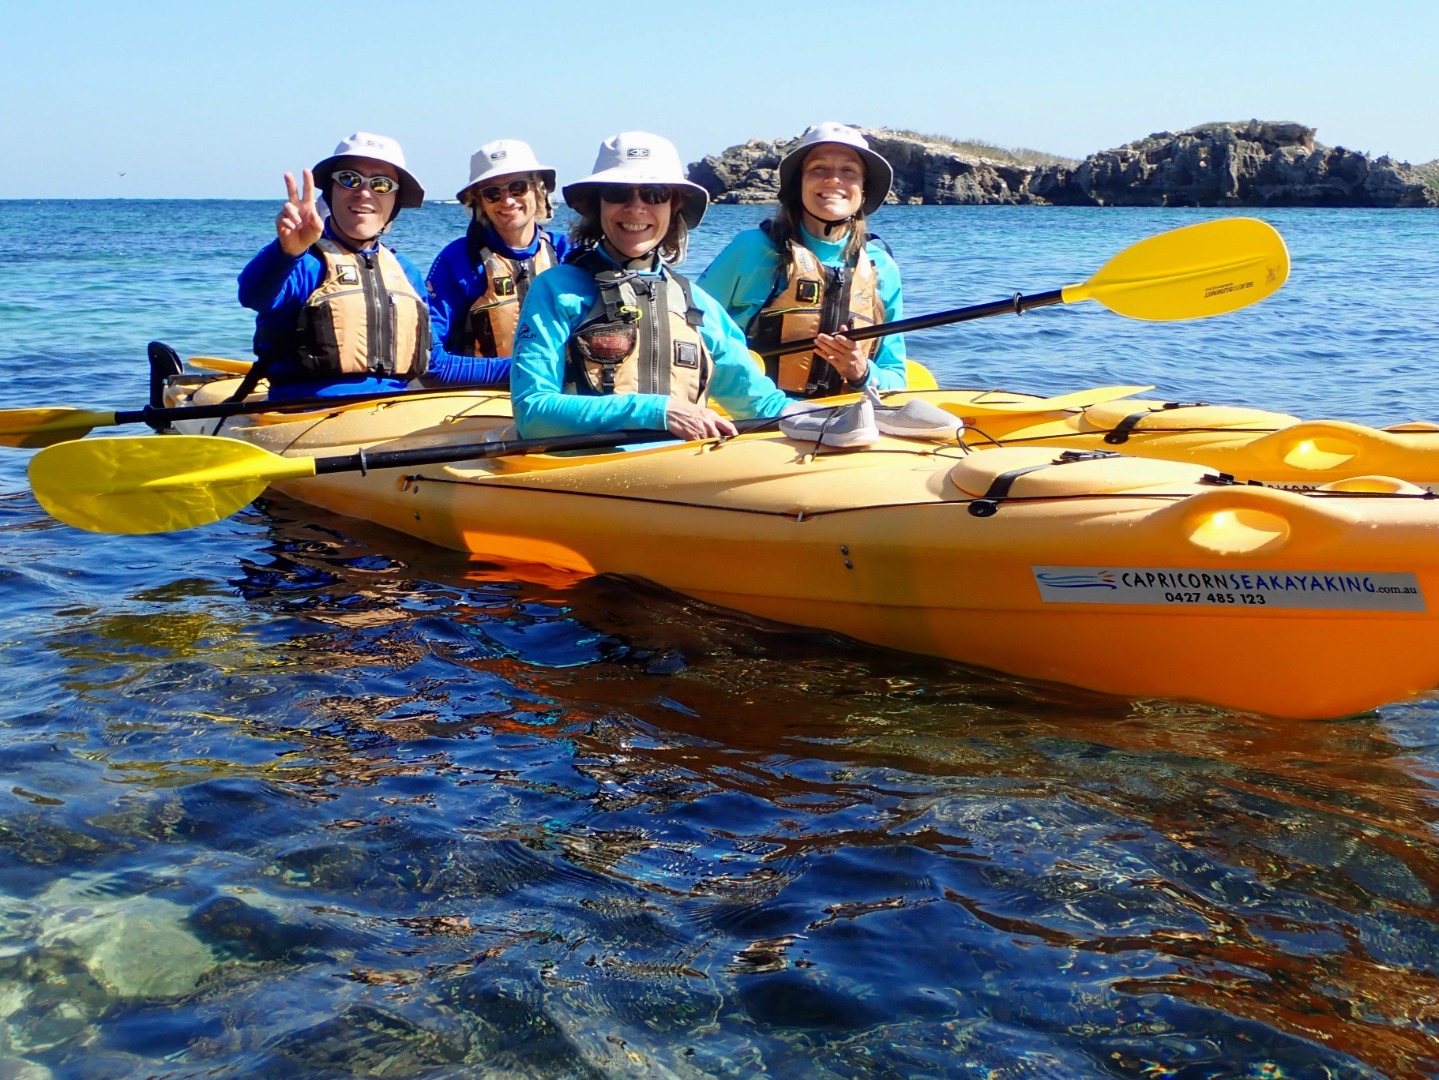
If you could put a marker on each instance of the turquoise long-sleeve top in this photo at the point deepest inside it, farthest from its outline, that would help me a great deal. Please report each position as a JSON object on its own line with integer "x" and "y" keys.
{"x": 558, "y": 301}
{"x": 744, "y": 274}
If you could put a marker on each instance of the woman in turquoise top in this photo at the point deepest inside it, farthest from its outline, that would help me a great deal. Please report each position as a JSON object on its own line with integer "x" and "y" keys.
{"x": 614, "y": 339}
{"x": 813, "y": 270}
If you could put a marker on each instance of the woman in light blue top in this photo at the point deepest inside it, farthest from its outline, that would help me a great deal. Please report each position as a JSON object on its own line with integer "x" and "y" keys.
{"x": 813, "y": 270}
{"x": 614, "y": 338}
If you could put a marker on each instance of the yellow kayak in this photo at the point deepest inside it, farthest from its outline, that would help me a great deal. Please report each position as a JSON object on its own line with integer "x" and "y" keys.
{"x": 1272, "y": 448}
{"x": 1123, "y": 574}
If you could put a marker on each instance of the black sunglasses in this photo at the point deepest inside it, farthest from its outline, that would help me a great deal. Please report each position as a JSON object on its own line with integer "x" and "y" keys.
{"x": 619, "y": 194}
{"x": 515, "y": 189}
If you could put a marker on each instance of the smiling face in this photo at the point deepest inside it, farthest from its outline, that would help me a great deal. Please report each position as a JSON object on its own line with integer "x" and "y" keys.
{"x": 358, "y": 213}
{"x": 513, "y": 216}
{"x": 831, "y": 185}
{"x": 635, "y": 228}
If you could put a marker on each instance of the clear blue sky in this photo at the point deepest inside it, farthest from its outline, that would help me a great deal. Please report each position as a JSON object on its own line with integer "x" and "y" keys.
{"x": 218, "y": 99}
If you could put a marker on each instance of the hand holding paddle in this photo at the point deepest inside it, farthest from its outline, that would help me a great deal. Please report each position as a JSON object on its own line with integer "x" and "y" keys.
{"x": 843, "y": 353}
{"x": 299, "y": 224}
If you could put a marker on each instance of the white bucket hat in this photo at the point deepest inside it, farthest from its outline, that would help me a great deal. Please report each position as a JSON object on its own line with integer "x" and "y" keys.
{"x": 380, "y": 148}
{"x": 878, "y": 176}
{"x": 638, "y": 157}
{"x": 501, "y": 158}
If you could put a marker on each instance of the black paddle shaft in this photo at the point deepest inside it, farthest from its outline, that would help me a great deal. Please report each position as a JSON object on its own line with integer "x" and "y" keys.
{"x": 1017, "y": 304}
{"x": 364, "y": 461}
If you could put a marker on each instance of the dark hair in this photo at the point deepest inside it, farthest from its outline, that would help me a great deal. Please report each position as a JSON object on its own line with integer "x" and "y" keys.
{"x": 788, "y": 219}
{"x": 586, "y": 229}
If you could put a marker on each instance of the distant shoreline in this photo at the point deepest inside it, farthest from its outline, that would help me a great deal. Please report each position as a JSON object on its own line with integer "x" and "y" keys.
{"x": 1248, "y": 164}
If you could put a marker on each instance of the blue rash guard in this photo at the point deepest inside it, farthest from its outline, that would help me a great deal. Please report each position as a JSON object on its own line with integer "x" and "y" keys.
{"x": 743, "y": 276}
{"x": 561, "y": 299}
{"x": 276, "y": 286}
{"x": 454, "y": 284}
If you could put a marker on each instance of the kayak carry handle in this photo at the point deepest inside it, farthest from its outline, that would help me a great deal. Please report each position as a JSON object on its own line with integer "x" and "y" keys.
{"x": 1324, "y": 445}
{"x": 1248, "y": 520}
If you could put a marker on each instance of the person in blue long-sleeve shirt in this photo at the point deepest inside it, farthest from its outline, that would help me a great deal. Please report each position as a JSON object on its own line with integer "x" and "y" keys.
{"x": 338, "y": 312}
{"x": 478, "y": 283}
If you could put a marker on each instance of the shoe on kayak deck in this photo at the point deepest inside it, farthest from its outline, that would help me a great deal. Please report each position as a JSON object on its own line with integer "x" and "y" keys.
{"x": 847, "y": 427}
{"x": 916, "y": 419}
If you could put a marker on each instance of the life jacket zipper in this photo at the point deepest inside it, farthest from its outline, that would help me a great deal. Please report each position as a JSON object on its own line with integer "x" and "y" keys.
{"x": 379, "y": 317}
{"x": 657, "y": 296}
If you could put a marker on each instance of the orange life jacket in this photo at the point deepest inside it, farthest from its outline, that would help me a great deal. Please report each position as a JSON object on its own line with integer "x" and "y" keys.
{"x": 810, "y": 298}
{"x": 365, "y": 318}
{"x": 641, "y": 336}
{"x": 495, "y": 314}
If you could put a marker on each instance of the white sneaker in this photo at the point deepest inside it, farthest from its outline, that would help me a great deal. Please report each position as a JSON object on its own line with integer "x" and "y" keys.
{"x": 846, "y": 427}
{"x": 915, "y": 419}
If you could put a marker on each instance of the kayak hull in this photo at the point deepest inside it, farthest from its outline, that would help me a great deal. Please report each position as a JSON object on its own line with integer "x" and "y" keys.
{"x": 1124, "y": 575}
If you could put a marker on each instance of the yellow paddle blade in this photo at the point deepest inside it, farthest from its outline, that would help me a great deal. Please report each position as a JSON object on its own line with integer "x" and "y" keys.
{"x": 918, "y": 377}
{"x": 1190, "y": 273}
{"x": 155, "y": 483}
{"x": 220, "y": 363}
{"x": 1077, "y": 400}
{"x": 30, "y": 429}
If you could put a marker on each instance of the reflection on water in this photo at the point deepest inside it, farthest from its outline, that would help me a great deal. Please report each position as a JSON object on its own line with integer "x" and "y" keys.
{"x": 289, "y": 797}
{"x": 345, "y": 805}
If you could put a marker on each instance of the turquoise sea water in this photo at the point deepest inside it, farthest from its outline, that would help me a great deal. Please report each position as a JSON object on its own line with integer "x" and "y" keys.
{"x": 291, "y": 795}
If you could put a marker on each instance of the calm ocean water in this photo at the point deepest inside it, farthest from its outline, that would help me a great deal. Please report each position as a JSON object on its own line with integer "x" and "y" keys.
{"x": 291, "y": 795}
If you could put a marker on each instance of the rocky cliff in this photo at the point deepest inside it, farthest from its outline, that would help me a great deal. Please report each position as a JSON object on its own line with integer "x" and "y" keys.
{"x": 1252, "y": 163}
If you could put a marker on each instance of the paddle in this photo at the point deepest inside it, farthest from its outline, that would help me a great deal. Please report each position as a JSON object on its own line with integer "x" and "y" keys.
{"x": 1078, "y": 399}
{"x": 221, "y": 363}
{"x": 143, "y": 484}
{"x": 29, "y": 429}
{"x": 1190, "y": 273}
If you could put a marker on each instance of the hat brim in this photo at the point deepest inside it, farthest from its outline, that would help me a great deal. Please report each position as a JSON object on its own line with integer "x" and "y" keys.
{"x": 412, "y": 193}
{"x": 878, "y": 173}
{"x": 581, "y": 194}
{"x": 547, "y": 177}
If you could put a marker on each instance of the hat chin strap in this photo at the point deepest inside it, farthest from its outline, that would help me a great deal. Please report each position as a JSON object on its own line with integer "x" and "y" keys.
{"x": 831, "y": 224}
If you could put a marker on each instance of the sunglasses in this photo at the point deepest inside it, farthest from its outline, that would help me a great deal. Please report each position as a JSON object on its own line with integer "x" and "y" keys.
{"x": 619, "y": 194}
{"x": 515, "y": 189}
{"x": 380, "y": 185}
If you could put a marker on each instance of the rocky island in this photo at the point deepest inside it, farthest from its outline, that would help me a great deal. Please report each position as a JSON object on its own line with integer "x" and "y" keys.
{"x": 1249, "y": 163}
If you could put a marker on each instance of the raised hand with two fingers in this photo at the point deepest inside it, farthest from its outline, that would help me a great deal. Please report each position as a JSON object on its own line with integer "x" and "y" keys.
{"x": 299, "y": 222}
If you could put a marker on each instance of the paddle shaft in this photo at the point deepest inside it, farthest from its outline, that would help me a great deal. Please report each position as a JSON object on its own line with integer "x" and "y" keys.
{"x": 1015, "y": 305}
{"x": 366, "y": 460}
{"x": 158, "y": 418}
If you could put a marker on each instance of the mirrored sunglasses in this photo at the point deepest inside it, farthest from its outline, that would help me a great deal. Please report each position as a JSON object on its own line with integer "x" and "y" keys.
{"x": 380, "y": 185}
{"x": 619, "y": 194}
{"x": 515, "y": 189}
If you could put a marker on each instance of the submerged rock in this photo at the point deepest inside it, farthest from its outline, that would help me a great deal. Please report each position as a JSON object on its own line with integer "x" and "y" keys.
{"x": 1246, "y": 163}
{"x": 138, "y": 947}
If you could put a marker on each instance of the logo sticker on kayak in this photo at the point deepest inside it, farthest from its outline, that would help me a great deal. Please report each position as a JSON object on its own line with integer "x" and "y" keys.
{"x": 1174, "y": 586}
